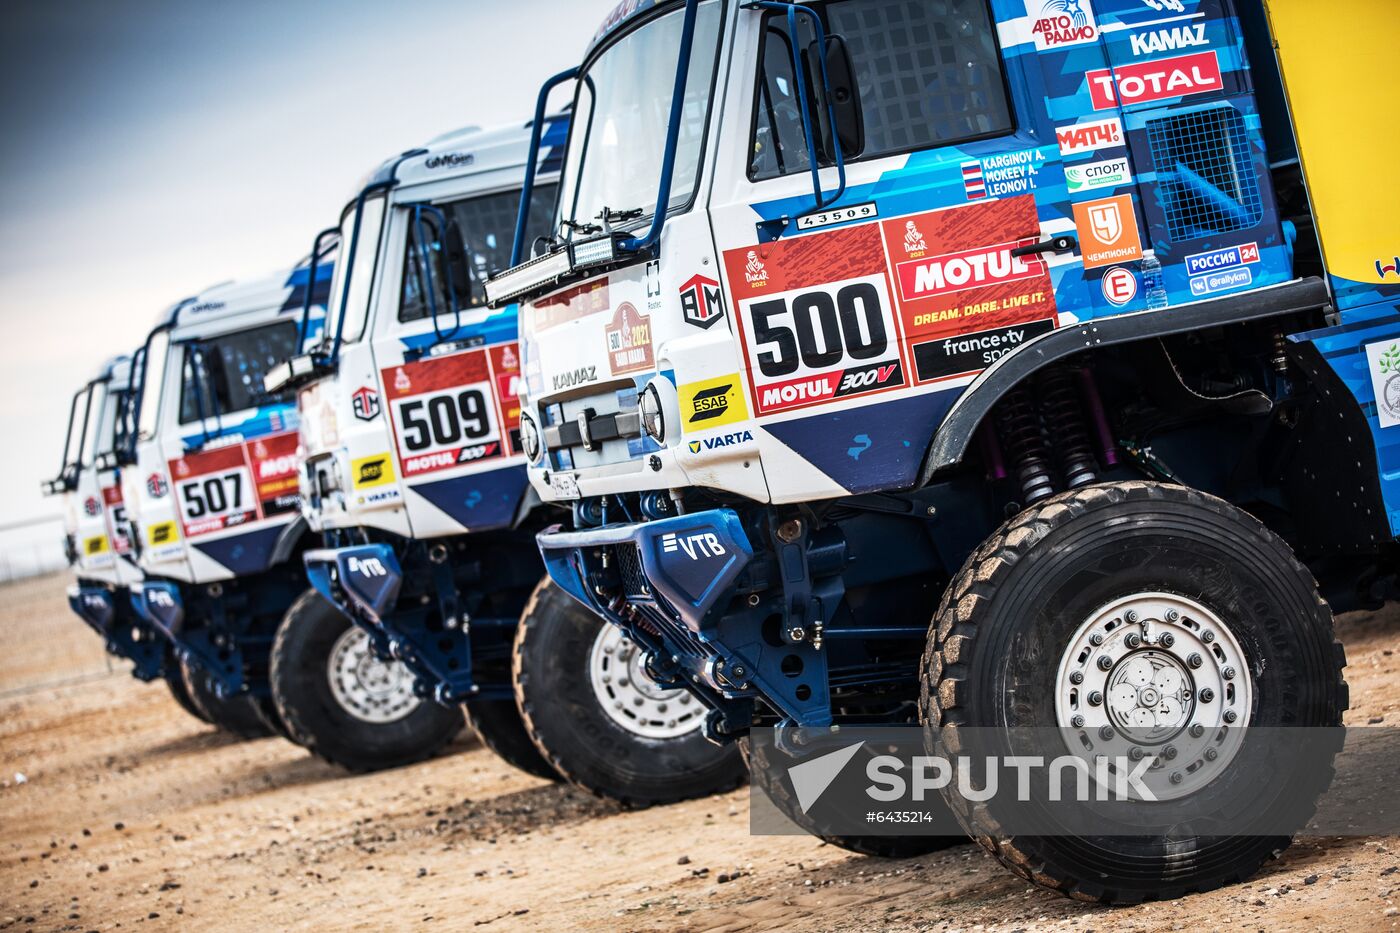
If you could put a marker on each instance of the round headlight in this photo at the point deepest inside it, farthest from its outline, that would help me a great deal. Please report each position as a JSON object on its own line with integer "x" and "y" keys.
{"x": 530, "y": 438}
{"x": 653, "y": 420}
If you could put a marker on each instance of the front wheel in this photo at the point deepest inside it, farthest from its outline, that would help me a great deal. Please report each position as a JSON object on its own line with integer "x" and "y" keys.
{"x": 342, "y": 703}
{"x": 175, "y": 681}
{"x": 1130, "y": 620}
{"x": 600, "y": 720}
{"x": 237, "y": 714}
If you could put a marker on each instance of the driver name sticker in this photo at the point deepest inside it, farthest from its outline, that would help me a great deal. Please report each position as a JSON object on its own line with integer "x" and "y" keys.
{"x": 816, "y": 319}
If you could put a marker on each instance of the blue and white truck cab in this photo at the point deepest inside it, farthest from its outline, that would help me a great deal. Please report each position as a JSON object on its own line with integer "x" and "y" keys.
{"x": 414, "y": 475}
{"x": 991, "y": 363}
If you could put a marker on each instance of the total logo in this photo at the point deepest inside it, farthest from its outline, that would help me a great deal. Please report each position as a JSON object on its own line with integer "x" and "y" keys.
{"x": 368, "y": 567}
{"x": 754, "y": 272}
{"x": 1058, "y": 24}
{"x": 157, "y": 486}
{"x": 1162, "y": 79}
{"x": 698, "y": 545}
{"x": 365, "y": 403}
{"x": 723, "y": 440}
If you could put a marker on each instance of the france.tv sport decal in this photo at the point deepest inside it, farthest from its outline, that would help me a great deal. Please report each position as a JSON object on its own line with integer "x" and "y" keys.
{"x": 455, "y": 410}
{"x": 216, "y": 489}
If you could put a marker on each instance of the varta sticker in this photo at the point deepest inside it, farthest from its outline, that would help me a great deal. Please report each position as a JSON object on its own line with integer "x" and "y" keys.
{"x": 712, "y": 403}
{"x": 720, "y": 441}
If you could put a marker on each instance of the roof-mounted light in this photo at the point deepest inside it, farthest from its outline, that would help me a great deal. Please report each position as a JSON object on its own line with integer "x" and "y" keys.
{"x": 528, "y": 276}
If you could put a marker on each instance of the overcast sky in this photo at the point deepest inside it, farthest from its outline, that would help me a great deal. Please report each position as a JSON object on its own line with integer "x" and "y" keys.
{"x": 152, "y": 148}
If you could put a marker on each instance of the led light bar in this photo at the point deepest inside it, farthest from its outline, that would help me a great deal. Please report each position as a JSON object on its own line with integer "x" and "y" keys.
{"x": 528, "y": 276}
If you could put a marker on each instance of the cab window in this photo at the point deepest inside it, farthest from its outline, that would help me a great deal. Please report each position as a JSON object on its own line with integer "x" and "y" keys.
{"x": 929, "y": 75}
{"x": 225, "y": 374}
{"x": 477, "y": 243}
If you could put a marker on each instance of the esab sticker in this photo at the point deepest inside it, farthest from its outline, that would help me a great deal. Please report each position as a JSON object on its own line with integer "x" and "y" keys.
{"x": 816, "y": 318}
{"x": 964, "y": 299}
{"x": 711, "y": 403}
{"x": 447, "y": 411}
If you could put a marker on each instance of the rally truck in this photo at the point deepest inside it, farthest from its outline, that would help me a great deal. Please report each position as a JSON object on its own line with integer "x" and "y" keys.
{"x": 97, "y": 536}
{"x": 1000, "y": 366}
{"x": 212, "y": 472}
{"x": 414, "y": 475}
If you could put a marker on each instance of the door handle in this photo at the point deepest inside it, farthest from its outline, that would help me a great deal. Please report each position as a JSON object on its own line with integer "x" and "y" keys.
{"x": 1056, "y": 244}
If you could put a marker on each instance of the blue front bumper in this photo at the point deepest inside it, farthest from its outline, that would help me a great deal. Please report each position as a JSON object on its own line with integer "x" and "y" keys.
{"x": 126, "y": 635}
{"x": 435, "y": 643}
{"x": 161, "y": 605}
{"x": 673, "y": 584}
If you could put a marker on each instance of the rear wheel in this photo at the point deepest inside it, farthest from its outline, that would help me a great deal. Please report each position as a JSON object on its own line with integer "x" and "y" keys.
{"x": 1135, "y": 620}
{"x": 499, "y": 726}
{"x": 345, "y": 705}
{"x": 237, "y": 714}
{"x": 600, "y": 720}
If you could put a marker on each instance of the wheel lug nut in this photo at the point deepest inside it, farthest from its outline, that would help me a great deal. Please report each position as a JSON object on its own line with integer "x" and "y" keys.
{"x": 1211, "y": 754}
{"x": 1228, "y": 673}
{"x": 1207, "y": 636}
{"x": 1135, "y": 753}
{"x": 1132, "y": 640}
{"x": 1231, "y": 715}
{"x": 1096, "y": 639}
{"x": 1077, "y": 722}
{"x": 1207, "y": 695}
{"x": 1169, "y": 752}
{"x": 1105, "y": 732}
{"x": 1130, "y": 616}
{"x": 1076, "y": 678}
{"x": 1172, "y": 615}
{"x": 1197, "y": 730}
{"x": 1095, "y": 698}
{"x": 1105, "y": 662}
{"x": 1195, "y": 661}
{"x": 1176, "y": 777}
{"x": 1167, "y": 639}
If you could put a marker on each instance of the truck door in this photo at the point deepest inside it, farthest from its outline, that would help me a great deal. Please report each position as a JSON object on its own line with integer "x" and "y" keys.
{"x": 95, "y": 553}
{"x": 953, "y": 242}
{"x": 449, "y": 367}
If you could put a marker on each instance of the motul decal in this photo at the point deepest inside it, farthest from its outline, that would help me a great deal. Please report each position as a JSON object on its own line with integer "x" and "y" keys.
{"x": 1165, "y": 78}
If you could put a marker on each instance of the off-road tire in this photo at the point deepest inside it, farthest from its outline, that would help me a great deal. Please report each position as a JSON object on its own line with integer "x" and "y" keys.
{"x": 175, "y": 683}
{"x": 267, "y": 711}
{"x": 565, "y": 720}
{"x": 238, "y": 715}
{"x": 499, "y": 726}
{"x": 1004, "y": 622}
{"x": 319, "y": 723}
{"x": 761, "y": 774}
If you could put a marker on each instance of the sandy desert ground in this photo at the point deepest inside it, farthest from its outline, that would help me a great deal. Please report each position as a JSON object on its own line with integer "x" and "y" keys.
{"x": 133, "y": 816}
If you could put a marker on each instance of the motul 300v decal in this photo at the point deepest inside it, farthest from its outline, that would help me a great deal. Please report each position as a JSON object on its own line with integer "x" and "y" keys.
{"x": 455, "y": 410}
{"x": 216, "y": 488}
{"x": 816, "y": 318}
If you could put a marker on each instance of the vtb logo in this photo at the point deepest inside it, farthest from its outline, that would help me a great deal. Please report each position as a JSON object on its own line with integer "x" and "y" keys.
{"x": 368, "y": 567}
{"x": 696, "y": 545}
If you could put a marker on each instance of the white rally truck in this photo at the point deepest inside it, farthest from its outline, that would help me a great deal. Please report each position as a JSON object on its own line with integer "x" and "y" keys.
{"x": 414, "y": 475}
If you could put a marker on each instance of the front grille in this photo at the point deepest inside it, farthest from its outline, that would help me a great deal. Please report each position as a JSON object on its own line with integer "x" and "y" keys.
{"x": 629, "y": 567}
{"x": 1205, "y": 175}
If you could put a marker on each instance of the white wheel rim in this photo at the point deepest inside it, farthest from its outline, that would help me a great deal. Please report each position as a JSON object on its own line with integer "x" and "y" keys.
{"x": 367, "y": 688}
{"x": 630, "y": 697}
{"x": 1155, "y": 674}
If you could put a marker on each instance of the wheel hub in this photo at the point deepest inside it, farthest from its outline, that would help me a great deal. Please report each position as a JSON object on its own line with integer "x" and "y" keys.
{"x": 367, "y": 688}
{"x": 629, "y": 695}
{"x": 1161, "y": 676}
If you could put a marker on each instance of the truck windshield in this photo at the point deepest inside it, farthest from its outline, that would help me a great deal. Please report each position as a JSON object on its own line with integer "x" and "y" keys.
{"x": 225, "y": 374}
{"x": 360, "y": 268}
{"x": 621, "y": 115}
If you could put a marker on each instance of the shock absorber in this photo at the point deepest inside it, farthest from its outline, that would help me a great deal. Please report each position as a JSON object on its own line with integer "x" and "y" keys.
{"x": 1062, "y": 409}
{"x": 1023, "y": 439}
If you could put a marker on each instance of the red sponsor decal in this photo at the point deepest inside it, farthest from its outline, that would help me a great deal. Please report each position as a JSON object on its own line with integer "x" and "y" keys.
{"x": 112, "y": 495}
{"x": 570, "y": 304}
{"x": 455, "y": 410}
{"x": 1141, "y": 82}
{"x": 968, "y": 281}
{"x": 629, "y": 341}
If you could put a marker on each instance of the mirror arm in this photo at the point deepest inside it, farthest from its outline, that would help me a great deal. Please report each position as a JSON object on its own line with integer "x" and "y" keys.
{"x": 532, "y": 156}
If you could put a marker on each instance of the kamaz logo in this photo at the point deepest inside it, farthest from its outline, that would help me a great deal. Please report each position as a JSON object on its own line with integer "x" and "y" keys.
{"x": 700, "y": 544}
{"x": 1167, "y": 40}
{"x": 368, "y": 567}
{"x": 575, "y": 377}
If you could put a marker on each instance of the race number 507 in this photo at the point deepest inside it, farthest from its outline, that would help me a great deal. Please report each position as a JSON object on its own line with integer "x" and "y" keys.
{"x": 815, "y": 345}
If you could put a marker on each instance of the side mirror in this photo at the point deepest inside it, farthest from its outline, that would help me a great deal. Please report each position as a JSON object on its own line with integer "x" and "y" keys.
{"x": 844, "y": 97}
{"x": 455, "y": 269}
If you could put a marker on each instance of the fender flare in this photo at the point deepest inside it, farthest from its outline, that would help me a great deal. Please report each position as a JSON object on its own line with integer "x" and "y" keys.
{"x": 954, "y": 435}
{"x": 288, "y": 541}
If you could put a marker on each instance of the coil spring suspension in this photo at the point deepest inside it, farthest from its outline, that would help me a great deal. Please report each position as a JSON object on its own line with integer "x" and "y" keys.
{"x": 1045, "y": 434}
{"x": 1063, "y": 411}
